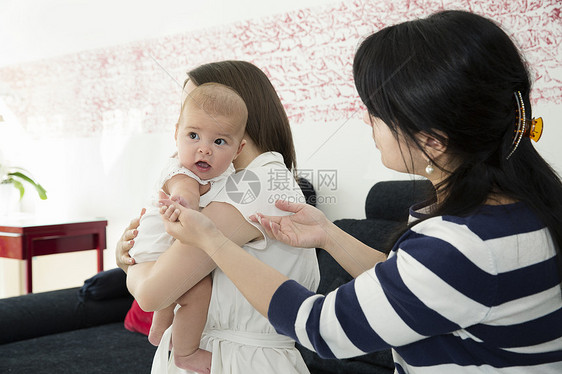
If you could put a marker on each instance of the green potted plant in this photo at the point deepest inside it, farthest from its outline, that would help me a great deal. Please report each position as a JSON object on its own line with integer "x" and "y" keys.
{"x": 17, "y": 177}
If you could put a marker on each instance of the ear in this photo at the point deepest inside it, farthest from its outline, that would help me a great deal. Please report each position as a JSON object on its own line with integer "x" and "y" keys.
{"x": 242, "y": 144}
{"x": 433, "y": 146}
{"x": 176, "y": 133}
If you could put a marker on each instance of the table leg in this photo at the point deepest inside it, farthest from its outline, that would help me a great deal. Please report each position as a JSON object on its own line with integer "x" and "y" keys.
{"x": 101, "y": 244}
{"x": 28, "y": 248}
{"x": 28, "y": 275}
{"x": 100, "y": 258}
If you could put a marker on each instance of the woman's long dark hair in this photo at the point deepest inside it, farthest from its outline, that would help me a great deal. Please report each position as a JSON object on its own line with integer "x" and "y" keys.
{"x": 453, "y": 75}
{"x": 268, "y": 125}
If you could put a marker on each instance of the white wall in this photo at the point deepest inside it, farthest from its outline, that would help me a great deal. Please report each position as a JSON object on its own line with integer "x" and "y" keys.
{"x": 32, "y": 29}
{"x": 109, "y": 173}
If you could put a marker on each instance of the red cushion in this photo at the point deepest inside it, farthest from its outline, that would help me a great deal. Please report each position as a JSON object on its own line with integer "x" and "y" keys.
{"x": 137, "y": 320}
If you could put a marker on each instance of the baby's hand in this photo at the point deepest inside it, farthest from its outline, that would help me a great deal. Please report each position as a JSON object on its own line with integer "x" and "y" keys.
{"x": 180, "y": 200}
{"x": 176, "y": 199}
{"x": 190, "y": 226}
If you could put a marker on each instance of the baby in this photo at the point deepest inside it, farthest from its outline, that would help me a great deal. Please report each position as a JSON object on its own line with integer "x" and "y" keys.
{"x": 209, "y": 136}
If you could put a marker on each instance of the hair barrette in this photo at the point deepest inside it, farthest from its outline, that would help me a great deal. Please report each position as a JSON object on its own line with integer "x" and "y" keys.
{"x": 524, "y": 127}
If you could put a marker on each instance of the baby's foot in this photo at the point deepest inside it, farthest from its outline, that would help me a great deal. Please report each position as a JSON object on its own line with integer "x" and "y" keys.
{"x": 199, "y": 361}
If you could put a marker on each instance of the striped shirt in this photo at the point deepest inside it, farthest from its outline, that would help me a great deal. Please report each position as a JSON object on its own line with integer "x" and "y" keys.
{"x": 475, "y": 294}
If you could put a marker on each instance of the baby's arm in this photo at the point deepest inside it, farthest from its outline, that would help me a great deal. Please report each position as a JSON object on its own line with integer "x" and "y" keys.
{"x": 184, "y": 186}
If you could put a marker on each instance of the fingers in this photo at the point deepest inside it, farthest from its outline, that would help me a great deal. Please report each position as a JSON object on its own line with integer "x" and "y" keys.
{"x": 271, "y": 228}
{"x": 288, "y": 206}
{"x": 260, "y": 217}
{"x": 170, "y": 212}
{"x": 264, "y": 222}
{"x": 275, "y": 229}
{"x": 135, "y": 222}
{"x": 175, "y": 215}
{"x": 180, "y": 200}
{"x": 123, "y": 247}
{"x": 127, "y": 242}
{"x": 126, "y": 259}
{"x": 130, "y": 235}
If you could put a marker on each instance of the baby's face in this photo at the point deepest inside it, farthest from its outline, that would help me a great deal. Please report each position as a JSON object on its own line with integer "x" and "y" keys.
{"x": 207, "y": 144}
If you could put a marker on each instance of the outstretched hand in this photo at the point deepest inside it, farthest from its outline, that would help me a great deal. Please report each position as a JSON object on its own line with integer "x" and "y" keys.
{"x": 187, "y": 225}
{"x": 306, "y": 228}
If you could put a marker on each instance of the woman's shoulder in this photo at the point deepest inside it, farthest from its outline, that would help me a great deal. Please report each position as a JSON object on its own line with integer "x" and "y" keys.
{"x": 266, "y": 160}
{"x": 483, "y": 237}
{"x": 441, "y": 235}
{"x": 487, "y": 221}
{"x": 257, "y": 187}
{"x": 270, "y": 180}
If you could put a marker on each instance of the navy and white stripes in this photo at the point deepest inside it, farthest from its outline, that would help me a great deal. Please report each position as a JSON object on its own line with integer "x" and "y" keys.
{"x": 456, "y": 295}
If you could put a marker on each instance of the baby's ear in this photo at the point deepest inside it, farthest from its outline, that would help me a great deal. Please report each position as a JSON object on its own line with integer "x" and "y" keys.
{"x": 242, "y": 144}
{"x": 176, "y": 133}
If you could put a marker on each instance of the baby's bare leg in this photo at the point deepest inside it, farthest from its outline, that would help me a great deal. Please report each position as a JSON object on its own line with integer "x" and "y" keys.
{"x": 161, "y": 320}
{"x": 188, "y": 326}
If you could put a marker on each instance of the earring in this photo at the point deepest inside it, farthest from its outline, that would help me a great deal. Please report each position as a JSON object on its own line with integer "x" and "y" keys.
{"x": 429, "y": 168}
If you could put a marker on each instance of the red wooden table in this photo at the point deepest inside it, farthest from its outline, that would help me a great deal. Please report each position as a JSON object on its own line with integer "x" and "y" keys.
{"x": 25, "y": 237}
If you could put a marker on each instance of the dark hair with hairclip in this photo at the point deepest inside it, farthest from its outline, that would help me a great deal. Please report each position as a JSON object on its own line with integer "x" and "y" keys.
{"x": 455, "y": 73}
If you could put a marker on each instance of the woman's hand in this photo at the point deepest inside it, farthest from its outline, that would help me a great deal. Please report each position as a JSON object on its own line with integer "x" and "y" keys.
{"x": 126, "y": 242}
{"x": 306, "y": 228}
{"x": 189, "y": 226}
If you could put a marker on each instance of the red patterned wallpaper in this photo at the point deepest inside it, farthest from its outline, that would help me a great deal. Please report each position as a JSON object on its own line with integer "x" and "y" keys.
{"x": 307, "y": 54}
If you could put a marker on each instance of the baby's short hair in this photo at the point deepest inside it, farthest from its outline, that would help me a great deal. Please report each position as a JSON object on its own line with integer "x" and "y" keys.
{"x": 218, "y": 100}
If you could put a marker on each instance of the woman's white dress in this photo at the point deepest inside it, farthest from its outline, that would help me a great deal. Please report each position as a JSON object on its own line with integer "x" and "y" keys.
{"x": 241, "y": 340}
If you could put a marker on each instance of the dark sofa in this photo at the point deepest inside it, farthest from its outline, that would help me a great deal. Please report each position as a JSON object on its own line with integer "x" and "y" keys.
{"x": 68, "y": 331}
{"x": 81, "y": 330}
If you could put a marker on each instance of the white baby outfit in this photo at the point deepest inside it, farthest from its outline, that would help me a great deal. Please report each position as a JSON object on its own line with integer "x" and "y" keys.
{"x": 152, "y": 239}
{"x": 241, "y": 340}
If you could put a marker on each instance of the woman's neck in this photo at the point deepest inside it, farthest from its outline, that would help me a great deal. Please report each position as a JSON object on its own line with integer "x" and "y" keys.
{"x": 248, "y": 154}
{"x": 499, "y": 199}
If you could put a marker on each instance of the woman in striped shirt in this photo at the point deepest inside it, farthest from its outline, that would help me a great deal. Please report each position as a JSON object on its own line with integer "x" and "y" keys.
{"x": 473, "y": 284}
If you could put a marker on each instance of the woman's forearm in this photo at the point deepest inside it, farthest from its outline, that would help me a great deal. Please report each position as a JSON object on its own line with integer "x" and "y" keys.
{"x": 309, "y": 227}
{"x": 255, "y": 280}
{"x": 353, "y": 255}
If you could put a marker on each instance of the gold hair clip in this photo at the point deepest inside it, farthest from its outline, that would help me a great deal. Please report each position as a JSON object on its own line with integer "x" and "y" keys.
{"x": 525, "y": 128}
{"x": 534, "y": 131}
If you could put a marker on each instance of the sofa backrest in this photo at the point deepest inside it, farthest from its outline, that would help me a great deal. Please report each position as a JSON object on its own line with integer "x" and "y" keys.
{"x": 391, "y": 200}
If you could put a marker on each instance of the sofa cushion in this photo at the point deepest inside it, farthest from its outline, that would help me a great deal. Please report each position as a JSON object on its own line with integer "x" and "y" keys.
{"x": 307, "y": 190}
{"x": 391, "y": 200}
{"x": 380, "y": 234}
{"x": 109, "y": 284}
{"x": 103, "y": 349}
{"x": 45, "y": 313}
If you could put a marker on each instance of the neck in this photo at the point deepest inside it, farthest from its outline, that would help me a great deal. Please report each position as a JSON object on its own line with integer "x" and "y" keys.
{"x": 248, "y": 154}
